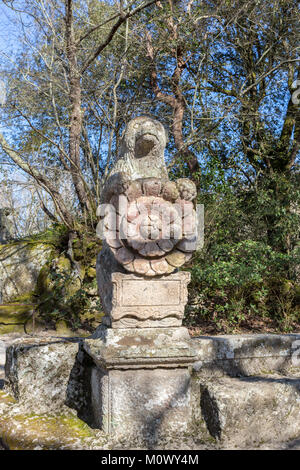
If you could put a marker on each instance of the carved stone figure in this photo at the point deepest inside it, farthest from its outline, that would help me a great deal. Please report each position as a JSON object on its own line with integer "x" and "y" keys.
{"x": 149, "y": 228}
{"x": 142, "y": 150}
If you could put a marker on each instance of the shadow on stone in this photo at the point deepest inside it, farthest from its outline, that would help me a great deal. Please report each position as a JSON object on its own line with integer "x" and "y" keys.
{"x": 79, "y": 391}
{"x": 152, "y": 424}
{"x": 210, "y": 413}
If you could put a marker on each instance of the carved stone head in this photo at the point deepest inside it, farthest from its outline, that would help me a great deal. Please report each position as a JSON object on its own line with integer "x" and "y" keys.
{"x": 142, "y": 149}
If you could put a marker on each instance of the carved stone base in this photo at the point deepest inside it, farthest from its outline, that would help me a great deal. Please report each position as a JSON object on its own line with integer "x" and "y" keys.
{"x": 131, "y": 301}
{"x": 141, "y": 381}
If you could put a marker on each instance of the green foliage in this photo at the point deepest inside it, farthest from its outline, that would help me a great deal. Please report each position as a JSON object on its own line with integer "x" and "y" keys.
{"x": 245, "y": 273}
{"x": 241, "y": 280}
{"x": 66, "y": 290}
{"x": 56, "y": 235}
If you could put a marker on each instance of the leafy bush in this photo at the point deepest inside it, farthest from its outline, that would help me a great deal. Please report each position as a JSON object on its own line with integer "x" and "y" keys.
{"x": 236, "y": 280}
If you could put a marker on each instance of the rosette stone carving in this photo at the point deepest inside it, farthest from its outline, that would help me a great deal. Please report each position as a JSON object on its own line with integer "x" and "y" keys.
{"x": 149, "y": 222}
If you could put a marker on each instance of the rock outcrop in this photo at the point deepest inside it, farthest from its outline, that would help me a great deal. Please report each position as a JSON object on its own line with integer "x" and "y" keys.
{"x": 20, "y": 264}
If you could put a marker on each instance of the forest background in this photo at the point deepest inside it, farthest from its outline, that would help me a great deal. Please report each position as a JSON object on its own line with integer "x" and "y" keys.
{"x": 222, "y": 76}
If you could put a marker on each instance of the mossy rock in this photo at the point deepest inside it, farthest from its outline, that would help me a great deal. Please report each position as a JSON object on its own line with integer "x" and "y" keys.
{"x": 6, "y": 399}
{"x": 91, "y": 273}
{"x": 72, "y": 286}
{"x": 93, "y": 314}
{"x": 28, "y": 298}
{"x": 45, "y": 432}
{"x": 62, "y": 328}
{"x": 43, "y": 283}
{"x": 63, "y": 264}
{"x": 16, "y": 315}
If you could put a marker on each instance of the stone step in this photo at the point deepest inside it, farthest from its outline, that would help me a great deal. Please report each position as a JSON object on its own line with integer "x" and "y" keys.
{"x": 247, "y": 355}
{"x": 251, "y": 411}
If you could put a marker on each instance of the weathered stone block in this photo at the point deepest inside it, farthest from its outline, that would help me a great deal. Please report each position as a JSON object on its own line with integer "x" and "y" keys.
{"x": 145, "y": 402}
{"x": 140, "y": 347}
{"x": 20, "y": 264}
{"x": 37, "y": 372}
{"x": 251, "y": 411}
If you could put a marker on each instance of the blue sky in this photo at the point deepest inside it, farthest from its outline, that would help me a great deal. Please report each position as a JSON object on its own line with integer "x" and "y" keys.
{"x": 8, "y": 31}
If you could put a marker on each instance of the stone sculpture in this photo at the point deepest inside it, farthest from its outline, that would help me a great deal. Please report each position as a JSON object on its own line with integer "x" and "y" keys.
{"x": 148, "y": 226}
{"x": 151, "y": 225}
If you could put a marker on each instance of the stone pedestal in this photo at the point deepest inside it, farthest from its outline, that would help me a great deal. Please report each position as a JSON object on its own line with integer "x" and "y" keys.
{"x": 148, "y": 303}
{"x": 132, "y": 301}
{"x": 141, "y": 381}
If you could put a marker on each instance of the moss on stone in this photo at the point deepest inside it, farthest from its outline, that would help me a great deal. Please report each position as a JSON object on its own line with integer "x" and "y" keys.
{"x": 31, "y": 432}
{"x": 5, "y": 398}
{"x": 91, "y": 272}
{"x": 11, "y": 315}
{"x": 63, "y": 293}
{"x": 63, "y": 264}
{"x": 28, "y": 297}
{"x": 43, "y": 282}
{"x": 62, "y": 328}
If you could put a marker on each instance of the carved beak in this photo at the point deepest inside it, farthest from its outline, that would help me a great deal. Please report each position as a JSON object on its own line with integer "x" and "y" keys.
{"x": 144, "y": 144}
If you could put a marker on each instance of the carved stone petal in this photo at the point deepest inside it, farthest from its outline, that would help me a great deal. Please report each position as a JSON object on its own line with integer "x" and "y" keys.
{"x": 132, "y": 212}
{"x": 150, "y": 272}
{"x": 170, "y": 269}
{"x": 124, "y": 256}
{"x": 166, "y": 245}
{"x": 176, "y": 231}
{"x": 114, "y": 242}
{"x": 188, "y": 244}
{"x": 183, "y": 208}
{"x": 160, "y": 266}
{"x": 145, "y": 231}
{"x": 123, "y": 226}
{"x": 129, "y": 267}
{"x": 137, "y": 245}
{"x": 110, "y": 221}
{"x": 144, "y": 204}
{"x": 154, "y": 233}
{"x": 132, "y": 230}
{"x": 123, "y": 204}
{"x": 189, "y": 225}
{"x": 151, "y": 249}
{"x": 141, "y": 265}
{"x": 176, "y": 258}
{"x": 169, "y": 215}
{"x": 188, "y": 256}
